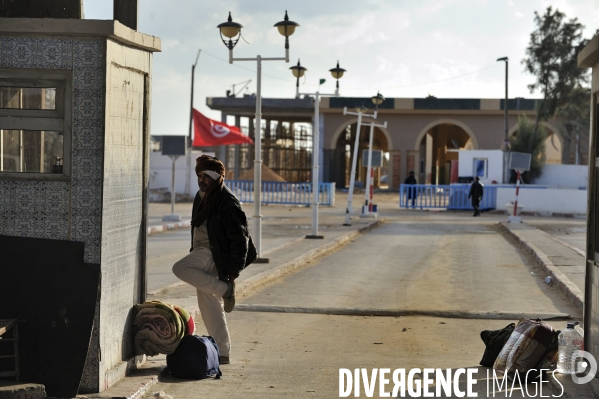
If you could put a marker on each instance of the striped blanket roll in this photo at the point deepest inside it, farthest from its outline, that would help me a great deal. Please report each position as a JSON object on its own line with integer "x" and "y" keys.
{"x": 158, "y": 327}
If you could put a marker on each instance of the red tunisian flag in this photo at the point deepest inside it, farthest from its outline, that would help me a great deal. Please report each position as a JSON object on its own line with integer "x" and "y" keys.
{"x": 208, "y": 132}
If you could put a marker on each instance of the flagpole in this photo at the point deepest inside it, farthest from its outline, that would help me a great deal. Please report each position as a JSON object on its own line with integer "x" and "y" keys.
{"x": 258, "y": 164}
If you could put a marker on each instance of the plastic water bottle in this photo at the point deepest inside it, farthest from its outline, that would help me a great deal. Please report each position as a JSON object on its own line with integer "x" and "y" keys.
{"x": 569, "y": 342}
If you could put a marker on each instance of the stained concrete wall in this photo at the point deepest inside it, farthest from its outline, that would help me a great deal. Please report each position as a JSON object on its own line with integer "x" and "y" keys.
{"x": 123, "y": 236}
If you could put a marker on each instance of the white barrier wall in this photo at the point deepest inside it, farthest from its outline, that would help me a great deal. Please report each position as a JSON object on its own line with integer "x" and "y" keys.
{"x": 544, "y": 200}
{"x": 161, "y": 173}
{"x": 573, "y": 176}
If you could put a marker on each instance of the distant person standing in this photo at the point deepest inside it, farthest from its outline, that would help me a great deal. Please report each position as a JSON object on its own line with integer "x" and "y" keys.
{"x": 476, "y": 194}
{"x": 411, "y": 191}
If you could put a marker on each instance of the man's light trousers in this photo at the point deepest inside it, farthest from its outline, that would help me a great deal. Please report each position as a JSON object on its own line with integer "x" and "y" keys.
{"x": 199, "y": 270}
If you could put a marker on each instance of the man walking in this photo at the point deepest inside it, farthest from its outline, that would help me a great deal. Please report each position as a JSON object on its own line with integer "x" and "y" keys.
{"x": 412, "y": 194}
{"x": 221, "y": 248}
{"x": 476, "y": 193}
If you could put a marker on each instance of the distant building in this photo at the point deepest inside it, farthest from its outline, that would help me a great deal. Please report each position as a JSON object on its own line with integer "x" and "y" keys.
{"x": 421, "y": 135}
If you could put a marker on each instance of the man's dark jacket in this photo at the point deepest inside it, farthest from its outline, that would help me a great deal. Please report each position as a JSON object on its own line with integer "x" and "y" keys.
{"x": 412, "y": 193}
{"x": 230, "y": 241}
{"x": 476, "y": 191}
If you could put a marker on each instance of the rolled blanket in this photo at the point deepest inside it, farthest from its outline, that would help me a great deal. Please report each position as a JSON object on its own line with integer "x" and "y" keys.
{"x": 157, "y": 323}
{"x": 190, "y": 325}
{"x": 159, "y": 327}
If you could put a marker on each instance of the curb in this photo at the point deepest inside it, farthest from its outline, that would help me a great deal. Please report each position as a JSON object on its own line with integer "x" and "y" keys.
{"x": 563, "y": 282}
{"x": 253, "y": 282}
{"x": 447, "y": 314}
{"x": 168, "y": 226}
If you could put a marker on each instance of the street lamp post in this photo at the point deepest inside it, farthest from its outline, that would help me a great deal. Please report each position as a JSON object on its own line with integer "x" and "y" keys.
{"x": 506, "y": 141}
{"x": 360, "y": 112}
{"x": 188, "y": 168}
{"x": 298, "y": 72}
{"x": 367, "y": 211}
{"x": 230, "y": 34}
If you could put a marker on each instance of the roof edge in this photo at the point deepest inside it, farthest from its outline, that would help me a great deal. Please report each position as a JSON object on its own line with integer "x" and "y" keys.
{"x": 589, "y": 55}
{"x": 79, "y": 27}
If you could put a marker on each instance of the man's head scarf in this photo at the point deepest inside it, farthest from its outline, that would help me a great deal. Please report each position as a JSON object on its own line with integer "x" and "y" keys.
{"x": 214, "y": 168}
{"x": 207, "y": 164}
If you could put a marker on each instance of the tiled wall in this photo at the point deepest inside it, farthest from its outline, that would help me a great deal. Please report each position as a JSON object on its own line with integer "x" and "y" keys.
{"x": 123, "y": 188}
{"x": 64, "y": 210}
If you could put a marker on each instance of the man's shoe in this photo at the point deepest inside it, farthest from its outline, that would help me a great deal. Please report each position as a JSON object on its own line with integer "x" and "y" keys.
{"x": 229, "y": 301}
{"x": 223, "y": 359}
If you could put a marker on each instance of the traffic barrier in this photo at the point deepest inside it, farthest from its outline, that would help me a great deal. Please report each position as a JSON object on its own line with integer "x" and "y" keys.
{"x": 283, "y": 192}
{"x": 450, "y": 196}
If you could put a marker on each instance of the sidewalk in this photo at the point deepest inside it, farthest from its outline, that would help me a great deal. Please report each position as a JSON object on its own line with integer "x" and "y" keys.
{"x": 283, "y": 245}
{"x": 289, "y": 250}
{"x": 560, "y": 260}
{"x": 156, "y": 211}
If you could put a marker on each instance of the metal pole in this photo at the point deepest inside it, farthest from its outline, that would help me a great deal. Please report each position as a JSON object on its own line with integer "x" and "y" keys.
{"x": 172, "y": 217}
{"x": 517, "y": 192}
{"x": 258, "y": 162}
{"x": 577, "y": 144}
{"x": 352, "y": 178}
{"x": 188, "y": 166}
{"x": 315, "y": 182}
{"x": 515, "y": 218}
{"x": 366, "y": 210}
{"x": 506, "y": 138}
{"x": 173, "y": 195}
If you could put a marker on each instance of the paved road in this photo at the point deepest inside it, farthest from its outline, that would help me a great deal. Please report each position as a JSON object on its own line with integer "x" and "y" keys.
{"x": 416, "y": 261}
{"x": 443, "y": 263}
{"x": 163, "y": 251}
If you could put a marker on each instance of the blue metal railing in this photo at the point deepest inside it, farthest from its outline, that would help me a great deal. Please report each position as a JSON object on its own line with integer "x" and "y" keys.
{"x": 283, "y": 193}
{"x": 451, "y": 196}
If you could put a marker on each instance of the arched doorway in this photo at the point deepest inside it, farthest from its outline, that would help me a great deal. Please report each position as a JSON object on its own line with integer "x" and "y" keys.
{"x": 344, "y": 150}
{"x": 438, "y": 151}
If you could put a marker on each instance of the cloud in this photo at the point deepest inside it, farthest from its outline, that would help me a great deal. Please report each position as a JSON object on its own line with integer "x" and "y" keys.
{"x": 402, "y": 48}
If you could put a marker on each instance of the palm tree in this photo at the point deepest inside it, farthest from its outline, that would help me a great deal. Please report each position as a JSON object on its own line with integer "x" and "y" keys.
{"x": 529, "y": 141}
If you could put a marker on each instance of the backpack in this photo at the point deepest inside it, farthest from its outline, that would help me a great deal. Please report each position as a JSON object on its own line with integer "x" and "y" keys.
{"x": 494, "y": 342}
{"x": 195, "y": 358}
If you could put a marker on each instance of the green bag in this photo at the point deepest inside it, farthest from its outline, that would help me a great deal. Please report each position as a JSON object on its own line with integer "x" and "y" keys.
{"x": 494, "y": 342}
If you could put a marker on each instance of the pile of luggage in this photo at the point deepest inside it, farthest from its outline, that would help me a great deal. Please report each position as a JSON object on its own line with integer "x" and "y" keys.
{"x": 531, "y": 346}
{"x": 160, "y": 327}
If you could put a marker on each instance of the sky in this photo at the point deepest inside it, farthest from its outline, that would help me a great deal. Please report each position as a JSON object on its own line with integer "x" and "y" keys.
{"x": 402, "y": 48}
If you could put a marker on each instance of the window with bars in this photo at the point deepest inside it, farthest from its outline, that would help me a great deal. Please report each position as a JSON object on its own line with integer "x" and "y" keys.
{"x": 34, "y": 123}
